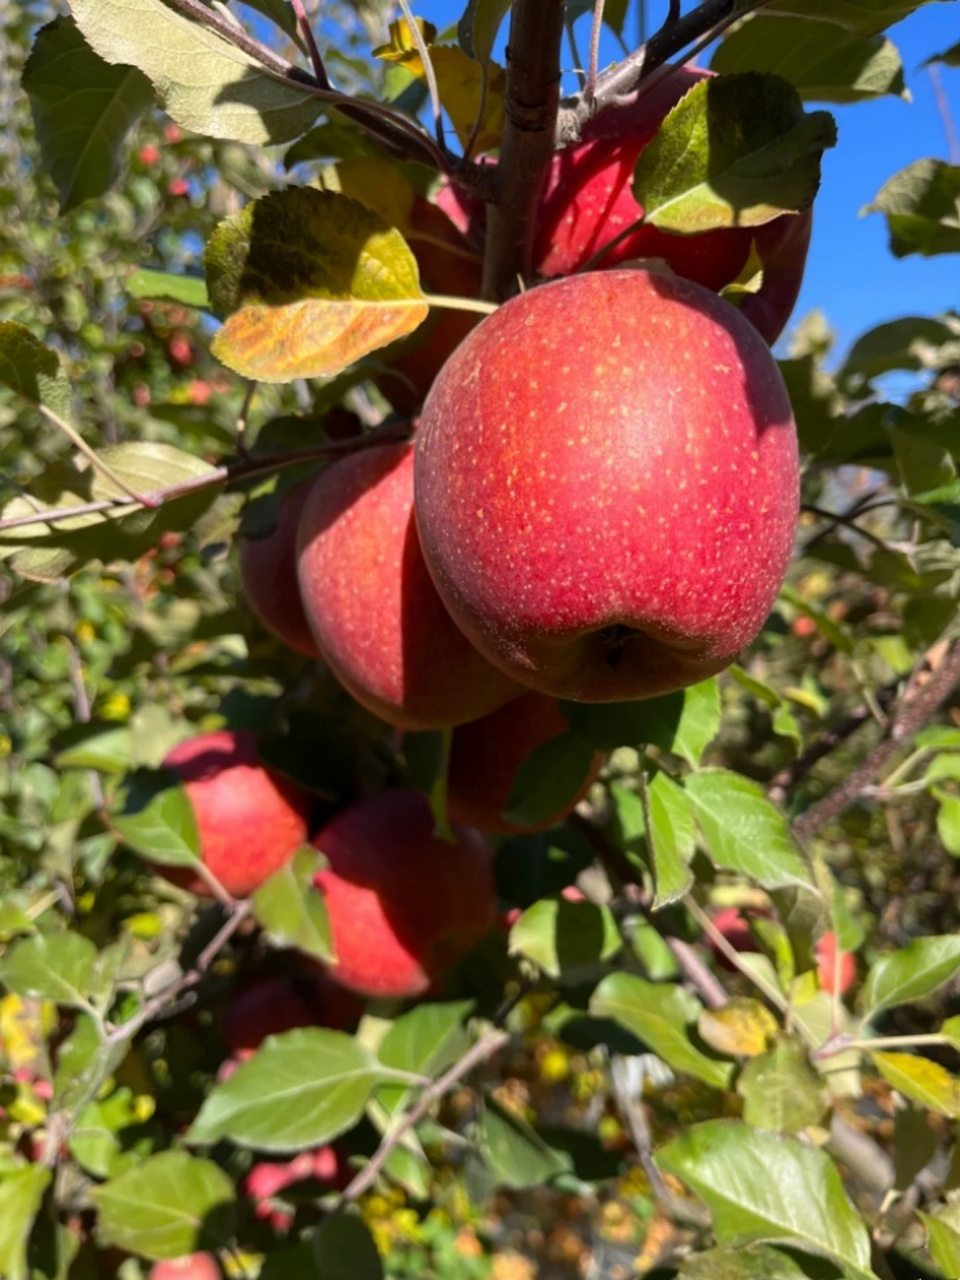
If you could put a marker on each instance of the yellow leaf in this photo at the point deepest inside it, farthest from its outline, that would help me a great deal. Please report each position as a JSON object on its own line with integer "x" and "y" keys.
{"x": 924, "y": 1081}
{"x": 742, "y": 1028}
{"x": 401, "y": 39}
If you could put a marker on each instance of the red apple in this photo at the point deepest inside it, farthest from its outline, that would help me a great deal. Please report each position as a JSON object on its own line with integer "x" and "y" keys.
{"x": 486, "y": 754}
{"x": 451, "y": 265}
{"x": 729, "y": 921}
{"x": 250, "y": 819}
{"x": 607, "y": 485}
{"x": 836, "y": 969}
{"x": 193, "y": 1266}
{"x": 404, "y": 904}
{"x": 588, "y": 202}
{"x": 268, "y": 573}
{"x": 267, "y": 1179}
{"x": 372, "y": 606}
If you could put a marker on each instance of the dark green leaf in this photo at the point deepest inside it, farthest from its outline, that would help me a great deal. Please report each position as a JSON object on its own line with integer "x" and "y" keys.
{"x": 83, "y": 109}
{"x": 898, "y": 344}
{"x": 547, "y": 780}
{"x": 950, "y": 57}
{"x": 684, "y": 722}
{"x": 843, "y": 67}
{"x": 516, "y": 1154}
{"x": 343, "y": 1249}
{"x": 32, "y": 371}
{"x": 477, "y": 29}
{"x": 922, "y": 207}
{"x": 866, "y": 17}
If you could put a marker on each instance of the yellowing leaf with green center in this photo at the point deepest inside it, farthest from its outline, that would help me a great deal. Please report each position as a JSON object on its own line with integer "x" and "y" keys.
{"x": 742, "y": 1028}
{"x": 735, "y": 151}
{"x": 310, "y": 281}
{"x": 924, "y": 1081}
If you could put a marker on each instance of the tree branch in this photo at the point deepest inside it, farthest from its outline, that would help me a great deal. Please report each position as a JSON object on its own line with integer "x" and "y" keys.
{"x": 930, "y": 684}
{"x": 530, "y": 107}
{"x": 484, "y": 1048}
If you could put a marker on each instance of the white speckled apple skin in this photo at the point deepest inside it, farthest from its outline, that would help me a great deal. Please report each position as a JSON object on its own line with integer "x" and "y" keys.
{"x": 607, "y": 485}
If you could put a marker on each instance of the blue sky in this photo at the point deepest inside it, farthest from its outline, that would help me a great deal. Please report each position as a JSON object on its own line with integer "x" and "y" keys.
{"x": 851, "y": 275}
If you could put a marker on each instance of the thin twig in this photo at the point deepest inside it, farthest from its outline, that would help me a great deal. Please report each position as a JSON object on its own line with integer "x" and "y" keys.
{"x": 594, "y": 56}
{"x": 316, "y": 60}
{"x": 244, "y": 469}
{"x": 428, "y": 70}
{"x": 943, "y": 107}
{"x": 483, "y": 1049}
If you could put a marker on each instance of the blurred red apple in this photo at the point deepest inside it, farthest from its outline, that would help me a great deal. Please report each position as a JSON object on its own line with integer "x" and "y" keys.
{"x": 268, "y": 574}
{"x": 193, "y": 1266}
{"x": 836, "y": 969}
{"x": 486, "y": 754}
{"x": 250, "y": 819}
{"x": 372, "y": 606}
{"x": 588, "y": 202}
{"x": 404, "y": 904}
{"x": 267, "y": 1179}
{"x": 607, "y": 485}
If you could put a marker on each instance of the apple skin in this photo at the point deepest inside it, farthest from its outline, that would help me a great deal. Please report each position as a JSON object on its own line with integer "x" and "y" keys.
{"x": 251, "y": 820}
{"x": 404, "y": 904}
{"x": 486, "y": 754}
{"x": 607, "y": 485}
{"x": 587, "y": 202}
{"x": 449, "y": 264}
{"x": 372, "y": 605}
{"x": 268, "y": 574}
{"x": 267, "y": 1179}
{"x": 192, "y": 1266}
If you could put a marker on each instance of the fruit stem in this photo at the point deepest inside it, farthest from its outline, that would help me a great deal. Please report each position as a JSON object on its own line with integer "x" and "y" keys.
{"x": 530, "y": 106}
{"x": 461, "y": 304}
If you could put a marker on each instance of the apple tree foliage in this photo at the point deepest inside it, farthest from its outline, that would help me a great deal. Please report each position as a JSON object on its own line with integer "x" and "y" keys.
{"x": 610, "y": 1081}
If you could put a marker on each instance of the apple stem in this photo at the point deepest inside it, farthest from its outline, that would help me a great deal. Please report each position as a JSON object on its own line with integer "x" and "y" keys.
{"x": 461, "y": 304}
{"x": 316, "y": 60}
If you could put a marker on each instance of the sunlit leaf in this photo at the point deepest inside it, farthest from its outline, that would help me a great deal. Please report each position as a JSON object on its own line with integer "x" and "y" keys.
{"x": 741, "y": 1028}
{"x": 58, "y": 967}
{"x": 158, "y": 821}
{"x": 144, "y": 283}
{"x": 922, "y": 1080}
{"x": 21, "y": 1192}
{"x": 766, "y": 1189}
{"x": 563, "y": 937}
{"x": 289, "y": 909}
{"x": 735, "y": 151}
{"x": 165, "y": 1206}
{"x": 516, "y": 1154}
{"x": 313, "y": 281}
{"x": 911, "y": 973}
{"x": 780, "y": 1089}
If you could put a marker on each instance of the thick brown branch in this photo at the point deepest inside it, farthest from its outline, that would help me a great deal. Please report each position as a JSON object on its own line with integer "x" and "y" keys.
{"x": 529, "y": 125}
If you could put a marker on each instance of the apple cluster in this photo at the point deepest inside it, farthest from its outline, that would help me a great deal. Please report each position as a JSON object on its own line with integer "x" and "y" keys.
{"x": 598, "y": 503}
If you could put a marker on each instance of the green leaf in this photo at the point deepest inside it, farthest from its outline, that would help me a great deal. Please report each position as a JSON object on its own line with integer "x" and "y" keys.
{"x": 915, "y": 971}
{"x": 684, "y": 722}
{"x": 343, "y": 1249}
{"x": 843, "y": 67}
{"x": 32, "y": 371}
{"x": 190, "y": 290}
{"x": 922, "y": 207}
{"x": 757, "y": 1262}
{"x": 477, "y": 29}
{"x": 673, "y": 835}
{"x": 424, "y": 1042}
{"x": 289, "y": 909}
{"x": 21, "y": 1193}
{"x": 548, "y": 778}
{"x": 165, "y": 1206}
{"x": 867, "y": 17}
{"x": 313, "y": 280}
{"x": 660, "y": 1014}
{"x": 781, "y": 1091}
{"x": 898, "y": 344}
{"x": 735, "y": 151}
{"x": 59, "y": 967}
{"x": 922, "y": 1080}
{"x": 299, "y": 1089}
{"x": 743, "y": 832}
{"x": 158, "y": 820}
{"x": 943, "y": 1241}
{"x": 948, "y": 820}
{"x": 515, "y": 1153}
{"x": 83, "y": 109}
{"x": 764, "y": 1189}
{"x": 783, "y": 721}
{"x": 951, "y": 58}
{"x": 206, "y": 83}
{"x": 107, "y": 750}
{"x": 564, "y": 938}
